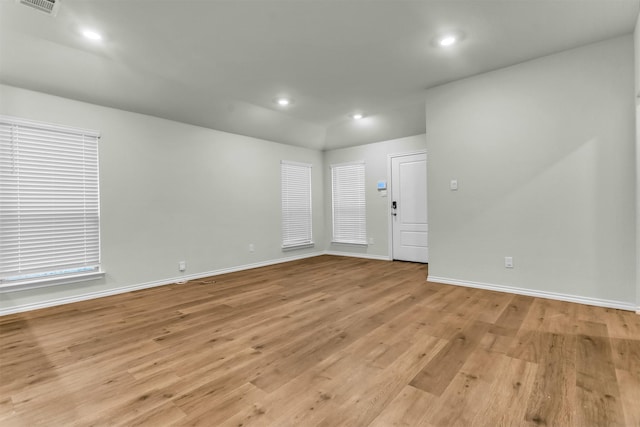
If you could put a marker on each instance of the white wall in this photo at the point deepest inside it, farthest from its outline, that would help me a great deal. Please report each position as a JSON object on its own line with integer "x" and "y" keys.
{"x": 637, "y": 98}
{"x": 636, "y": 35}
{"x": 376, "y": 158}
{"x": 544, "y": 157}
{"x": 171, "y": 192}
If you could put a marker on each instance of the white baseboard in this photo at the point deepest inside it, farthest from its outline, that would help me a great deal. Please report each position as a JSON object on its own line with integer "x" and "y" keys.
{"x": 357, "y": 255}
{"x": 535, "y": 293}
{"x": 114, "y": 291}
{"x": 500, "y": 288}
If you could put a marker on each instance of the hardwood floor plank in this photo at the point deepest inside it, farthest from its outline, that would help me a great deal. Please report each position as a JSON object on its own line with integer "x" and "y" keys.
{"x": 598, "y": 397}
{"x": 459, "y": 402}
{"x": 551, "y": 316}
{"x": 377, "y": 391}
{"x": 439, "y": 372}
{"x": 626, "y": 359}
{"x": 324, "y": 341}
{"x": 496, "y": 343}
{"x": 509, "y": 394}
{"x": 6, "y": 409}
{"x": 553, "y": 396}
{"x": 164, "y": 415}
{"x": 345, "y": 333}
{"x": 629, "y": 385}
{"x": 529, "y": 345}
{"x": 626, "y": 354}
{"x": 622, "y": 324}
{"x": 362, "y": 359}
{"x": 409, "y": 409}
{"x": 513, "y": 315}
{"x": 458, "y": 405}
{"x": 200, "y": 413}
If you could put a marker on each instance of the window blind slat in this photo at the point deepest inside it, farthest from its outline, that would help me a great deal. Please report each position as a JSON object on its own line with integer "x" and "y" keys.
{"x": 49, "y": 200}
{"x": 348, "y": 203}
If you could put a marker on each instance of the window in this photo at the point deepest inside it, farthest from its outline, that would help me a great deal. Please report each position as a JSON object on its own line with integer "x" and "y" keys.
{"x": 49, "y": 204}
{"x": 296, "y": 204}
{"x": 348, "y": 203}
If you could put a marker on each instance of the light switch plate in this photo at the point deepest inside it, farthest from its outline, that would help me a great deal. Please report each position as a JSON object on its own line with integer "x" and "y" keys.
{"x": 508, "y": 262}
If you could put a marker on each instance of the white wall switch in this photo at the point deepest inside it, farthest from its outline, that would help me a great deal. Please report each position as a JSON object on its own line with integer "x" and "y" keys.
{"x": 453, "y": 185}
{"x": 508, "y": 262}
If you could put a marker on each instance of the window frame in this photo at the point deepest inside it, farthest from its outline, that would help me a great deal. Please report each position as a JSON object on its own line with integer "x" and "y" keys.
{"x": 51, "y": 151}
{"x": 349, "y": 229}
{"x": 293, "y": 201}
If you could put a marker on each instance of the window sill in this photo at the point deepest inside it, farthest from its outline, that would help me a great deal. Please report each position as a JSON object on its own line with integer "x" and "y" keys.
{"x": 298, "y": 246}
{"x": 24, "y": 285}
{"x": 333, "y": 242}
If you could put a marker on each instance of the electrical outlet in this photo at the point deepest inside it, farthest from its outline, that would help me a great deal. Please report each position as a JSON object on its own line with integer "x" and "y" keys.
{"x": 508, "y": 262}
{"x": 252, "y": 248}
{"x": 182, "y": 265}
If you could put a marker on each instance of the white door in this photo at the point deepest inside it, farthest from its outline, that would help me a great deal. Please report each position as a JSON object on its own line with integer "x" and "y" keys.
{"x": 409, "y": 208}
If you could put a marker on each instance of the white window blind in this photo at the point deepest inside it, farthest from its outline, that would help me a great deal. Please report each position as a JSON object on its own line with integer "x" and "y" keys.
{"x": 348, "y": 202}
{"x": 296, "y": 204}
{"x": 49, "y": 202}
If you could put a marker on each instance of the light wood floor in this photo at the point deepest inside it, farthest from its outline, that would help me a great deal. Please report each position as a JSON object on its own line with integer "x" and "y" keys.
{"x": 327, "y": 341}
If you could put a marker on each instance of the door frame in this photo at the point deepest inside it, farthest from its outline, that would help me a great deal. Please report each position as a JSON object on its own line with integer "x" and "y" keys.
{"x": 390, "y": 158}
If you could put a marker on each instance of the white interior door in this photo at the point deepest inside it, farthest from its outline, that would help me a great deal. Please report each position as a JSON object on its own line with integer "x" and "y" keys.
{"x": 409, "y": 217}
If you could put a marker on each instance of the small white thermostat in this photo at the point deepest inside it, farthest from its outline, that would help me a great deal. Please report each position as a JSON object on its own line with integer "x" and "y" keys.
{"x": 382, "y": 185}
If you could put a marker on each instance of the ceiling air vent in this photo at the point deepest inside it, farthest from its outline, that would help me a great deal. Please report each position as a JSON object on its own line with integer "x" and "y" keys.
{"x": 49, "y": 6}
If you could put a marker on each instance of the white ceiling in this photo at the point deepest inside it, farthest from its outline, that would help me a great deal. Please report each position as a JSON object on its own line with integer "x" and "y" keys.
{"x": 220, "y": 64}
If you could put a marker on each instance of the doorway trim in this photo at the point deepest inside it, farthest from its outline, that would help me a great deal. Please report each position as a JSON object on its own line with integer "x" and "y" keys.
{"x": 390, "y": 158}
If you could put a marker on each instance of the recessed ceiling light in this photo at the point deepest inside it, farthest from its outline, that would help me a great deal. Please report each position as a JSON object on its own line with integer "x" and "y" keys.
{"x": 283, "y": 101}
{"x": 92, "y": 35}
{"x": 357, "y": 116}
{"x": 447, "y": 41}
